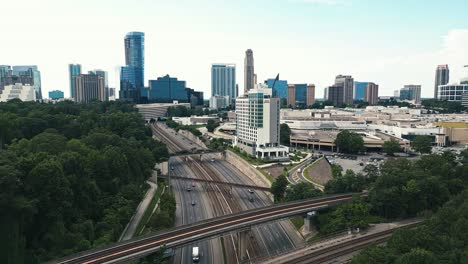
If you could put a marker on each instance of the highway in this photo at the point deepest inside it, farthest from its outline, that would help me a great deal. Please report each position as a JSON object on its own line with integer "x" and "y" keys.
{"x": 214, "y": 227}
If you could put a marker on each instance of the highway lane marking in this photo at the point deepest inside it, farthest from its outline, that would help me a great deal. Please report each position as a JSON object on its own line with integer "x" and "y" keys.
{"x": 211, "y": 227}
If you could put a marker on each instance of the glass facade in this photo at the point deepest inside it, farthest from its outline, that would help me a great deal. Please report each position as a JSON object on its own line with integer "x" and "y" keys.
{"x": 30, "y": 70}
{"x": 223, "y": 80}
{"x": 167, "y": 89}
{"x": 56, "y": 94}
{"x": 301, "y": 94}
{"x": 281, "y": 88}
{"x": 360, "y": 90}
{"x": 132, "y": 75}
{"x": 73, "y": 70}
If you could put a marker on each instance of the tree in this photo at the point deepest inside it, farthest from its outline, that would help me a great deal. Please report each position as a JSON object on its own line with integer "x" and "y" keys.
{"x": 349, "y": 182}
{"x": 349, "y": 142}
{"x": 278, "y": 188}
{"x": 422, "y": 144}
{"x": 211, "y": 125}
{"x": 391, "y": 147}
{"x": 301, "y": 191}
{"x": 285, "y": 134}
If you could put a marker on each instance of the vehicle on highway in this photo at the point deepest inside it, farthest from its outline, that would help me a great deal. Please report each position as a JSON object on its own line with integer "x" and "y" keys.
{"x": 299, "y": 170}
{"x": 195, "y": 255}
{"x": 212, "y": 160}
{"x": 193, "y": 203}
{"x": 188, "y": 189}
{"x": 251, "y": 191}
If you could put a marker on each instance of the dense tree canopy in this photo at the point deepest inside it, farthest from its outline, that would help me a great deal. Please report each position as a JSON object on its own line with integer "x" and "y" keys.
{"x": 278, "y": 188}
{"x": 285, "y": 133}
{"x": 422, "y": 144}
{"x": 390, "y": 147}
{"x": 443, "y": 106}
{"x": 349, "y": 142}
{"x": 71, "y": 176}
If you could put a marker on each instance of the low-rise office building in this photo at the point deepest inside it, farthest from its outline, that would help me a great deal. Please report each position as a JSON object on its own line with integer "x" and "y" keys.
{"x": 18, "y": 91}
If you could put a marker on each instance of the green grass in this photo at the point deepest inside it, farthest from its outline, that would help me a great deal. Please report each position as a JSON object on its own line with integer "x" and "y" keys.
{"x": 308, "y": 168}
{"x": 149, "y": 211}
{"x": 269, "y": 178}
{"x": 298, "y": 221}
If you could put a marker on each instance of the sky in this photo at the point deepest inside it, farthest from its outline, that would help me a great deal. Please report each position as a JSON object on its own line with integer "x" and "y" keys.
{"x": 391, "y": 43}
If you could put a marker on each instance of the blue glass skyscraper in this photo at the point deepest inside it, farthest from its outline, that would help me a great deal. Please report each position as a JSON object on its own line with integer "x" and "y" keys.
{"x": 166, "y": 89}
{"x": 360, "y": 90}
{"x": 281, "y": 88}
{"x": 73, "y": 70}
{"x": 132, "y": 75}
{"x": 223, "y": 80}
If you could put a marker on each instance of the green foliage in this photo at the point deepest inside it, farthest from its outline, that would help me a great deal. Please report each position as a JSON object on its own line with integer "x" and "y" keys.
{"x": 71, "y": 176}
{"x": 301, "y": 191}
{"x": 351, "y": 215}
{"x": 336, "y": 170}
{"x": 165, "y": 217}
{"x": 285, "y": 133}
{"x": 278, "y": 188}
{"x": 390, "y": 147}
{"x": 218, "y": 144}
{"x": 443, "y": 106}
{"x": 174, "y": 125}
{"x": 349, "y": 142}
{"x": 211, "y": 125}
{"x": 441, "y": 239}
{"x": 422, "y": 144}
{"x": 349, "y": 182}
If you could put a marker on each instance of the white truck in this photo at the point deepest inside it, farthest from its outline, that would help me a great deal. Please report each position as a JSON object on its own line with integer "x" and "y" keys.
{"x": 195, "y": 255}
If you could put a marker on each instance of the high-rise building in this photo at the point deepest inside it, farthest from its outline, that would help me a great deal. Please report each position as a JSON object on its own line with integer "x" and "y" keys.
{"x": 223, "y": 80}
{"x": 4, "y": 72}
{"x": 219, "y": 102}
{"x": 347, "y": 82}
{"x": 132, "y": 74}
{"x": 30, "y": 70}
{"x": 258, "y": 124}
{"x": 89, "y": 87}
{"x": 249, "y": 73}
{"x": 167, "y": 89}
{"x": 335, "y": 94}
{"x": 452, "y": 92}
{"x": 73, "y": 71}
{"x": 441, "y": 78}
{"x": 112, "y": 94}
{"x": 104, "y": 75}
{"x": 279, "y": 87}
{"x": 56, "y": 94}
{"x": 24, "y": 92}
{"x": 360, "y": 90}
{"x": 411, "y": 93}
{"x": 301, "y": 95}
{"x": 372, "y": 93}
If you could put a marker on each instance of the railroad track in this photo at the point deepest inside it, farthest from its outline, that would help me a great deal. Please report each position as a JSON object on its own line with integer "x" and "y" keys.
{"x": 342, "y": 249}
{"x": 172, "y": 145}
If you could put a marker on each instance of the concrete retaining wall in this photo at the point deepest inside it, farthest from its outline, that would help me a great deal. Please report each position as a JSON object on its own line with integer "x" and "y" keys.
{"x": 256, "y": 176}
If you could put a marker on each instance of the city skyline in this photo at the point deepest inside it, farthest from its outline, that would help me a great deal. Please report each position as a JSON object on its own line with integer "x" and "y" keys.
{"x": 303, "y": 49}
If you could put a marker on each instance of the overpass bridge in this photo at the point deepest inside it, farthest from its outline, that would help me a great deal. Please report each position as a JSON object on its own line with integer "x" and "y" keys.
{"x": 198, "y": 152}
{"x": 239, "y": 185}
{"x": 140, "y": 247}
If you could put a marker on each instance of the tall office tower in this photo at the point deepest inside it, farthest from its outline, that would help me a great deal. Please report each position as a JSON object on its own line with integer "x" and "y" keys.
{"x": 279, "y": 87}
{"x": 89, "y": 87}
{"x": 30, "y": 70}
{"x": 372, "y": 93}
{"x": 104, "y": 75}
{"x": 167, "y": 89}
{"x": 249, "y": 73}
{"x": 4, "y": 72}
{"x": 223, "y": 81}
{"x": 360, "y": 90}
{"x": 441, "y": 78}
{"x": 347, "y": 82}
{"x": 258, "y": 124}
{"x": 411, "y": 93}
{"x": 73, "y": 71}
{"x": 335, "y": 94}
{"x": 132, "y": 74}
{"x": 301, "y": 95}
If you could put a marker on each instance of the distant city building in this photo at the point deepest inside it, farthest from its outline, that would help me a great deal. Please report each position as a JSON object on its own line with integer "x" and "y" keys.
{"x": 465, "y": 99}
{"x": 452, "y": 92}
{"x": 132, "y": 75}
{"x": 442, "y": 77}
{"x": 360, "y": 90}
{"x": 335, "y": 94}
{"x": 347, "y": 82}
{"x": 249, "y": 73}
{"x": 371, "y": 93}
{"x": 411, "y": 93}
{"x": 56, "y": 94}
{"x": 104, "y": 75}
{"x": 30, "y": 71}
{"x": 195, "y": 97}
{"x": 4, "y": 72}
{"x": 167, "y": 89}
{"x": 89, "y": 87}
{"x": 396, "y": 94}
{"x": 280, "y": 89}
{"x": 219, "y": 102}
{"x": 223, "y": 81}
{"x": 112, "y": 94}
{"x": 73, "y": 71}
{"x": 18, "y": 91}
{"x": 258, "y": 124}
{"x": 301, "y": 95}
{"x": 157, "y": 110}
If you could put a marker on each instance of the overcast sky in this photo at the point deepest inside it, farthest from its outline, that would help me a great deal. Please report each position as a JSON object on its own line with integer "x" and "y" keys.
{"x": 391, "y": 43}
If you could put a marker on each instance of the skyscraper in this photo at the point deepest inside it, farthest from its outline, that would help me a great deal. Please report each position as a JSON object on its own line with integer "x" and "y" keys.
{"x": 411, "y": 93}
{"x": 89, "y": 87}
{"x": 249, "y": 73}
{"x": 4, "y": 71}
{"x": 441, "y": 78}
{"x": 280, "y": 88}
{"x": 360, "y": 90}
{"x": 132, "y": 75}
{"x": 30, "y": 70}
{"x": 301, "y": 95}
{"x": 223, "y": 80}
{"x": 335, "y": 95}
{"x": 371, "y": 93}
{"x": 104, "y": 75}
{"x": 73, "y": 70}
{"x": 347, "y": 82}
